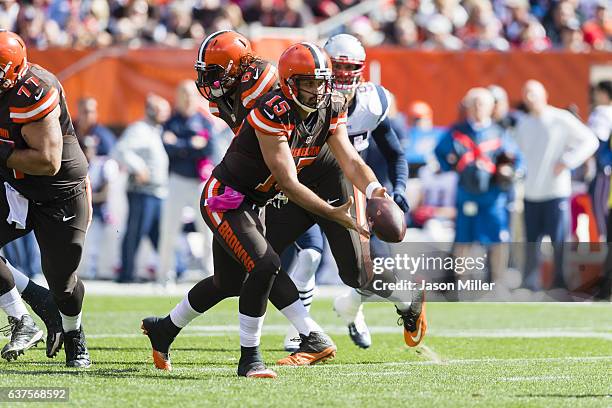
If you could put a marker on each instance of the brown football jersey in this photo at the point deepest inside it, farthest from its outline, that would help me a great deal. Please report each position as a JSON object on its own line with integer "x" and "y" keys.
{"x": 36, "y": 95}
{"x": 243, "y": 167}
{"x": 258, "y": 79}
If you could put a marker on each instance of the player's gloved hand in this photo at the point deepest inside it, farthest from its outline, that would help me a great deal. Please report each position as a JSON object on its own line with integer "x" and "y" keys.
{"x": 400, "y": 199}
{"x": 278, "y": 200}
{"x": 6, "y": 149}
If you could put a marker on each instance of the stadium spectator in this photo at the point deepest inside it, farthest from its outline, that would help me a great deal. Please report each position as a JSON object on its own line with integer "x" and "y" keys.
{"x": 561, "y": 14}
{"x": 9, "y": 10}
{"x": 471, "y": 148}
{"x": 517, "y": 20}
{"x": 188, "y": 141}
{"x": 102, "y": 170}
{"x": 483, "y": 29}
{"x": 572, "y": 38}
{"x": 405, "y": 33}
{"x": 533, "y": 37}
{"x": 553, "y": 142}
{"x": 600, "y": 123}
{"x": 598, "y": 31}
{"x": 422, "y": 136}
{"x": 439, "y": 34}
{"x": 87, "y": 125}
{"x": 141, "y": 151}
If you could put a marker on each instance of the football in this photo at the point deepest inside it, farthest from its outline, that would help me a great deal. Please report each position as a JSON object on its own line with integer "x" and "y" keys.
{"x": 386, "y": 219}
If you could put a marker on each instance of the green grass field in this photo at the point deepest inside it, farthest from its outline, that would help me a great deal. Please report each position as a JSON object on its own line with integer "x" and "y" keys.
{"x": 509, "y": 355}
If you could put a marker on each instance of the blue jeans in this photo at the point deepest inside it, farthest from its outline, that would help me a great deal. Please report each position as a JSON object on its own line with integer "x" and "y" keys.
{"x": 143, "y": 220}
{"x": 550, "y": 217}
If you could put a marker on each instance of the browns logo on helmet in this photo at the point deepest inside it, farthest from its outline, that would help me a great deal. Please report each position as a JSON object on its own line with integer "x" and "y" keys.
{"x": 306, "y": 76}
{"x": 13, "y": 59}
{"x": 222, "y": 58}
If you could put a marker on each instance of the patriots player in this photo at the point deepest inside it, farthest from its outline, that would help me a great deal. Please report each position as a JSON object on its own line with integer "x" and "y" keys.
{"x": 367, "y": 118}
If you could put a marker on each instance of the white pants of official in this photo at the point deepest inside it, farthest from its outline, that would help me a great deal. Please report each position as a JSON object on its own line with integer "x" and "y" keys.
{"x": 182, "y": 192}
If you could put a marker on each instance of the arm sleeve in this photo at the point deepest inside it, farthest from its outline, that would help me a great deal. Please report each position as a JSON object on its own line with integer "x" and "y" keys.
{"x": 389, "y": 145}
{"x": 582, "y": 142}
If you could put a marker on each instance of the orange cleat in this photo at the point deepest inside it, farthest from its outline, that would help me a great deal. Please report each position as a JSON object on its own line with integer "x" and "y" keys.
{"x": 414, "y": 321}
{"x": 159, "y": 343}
{"x": 314, "y": 348}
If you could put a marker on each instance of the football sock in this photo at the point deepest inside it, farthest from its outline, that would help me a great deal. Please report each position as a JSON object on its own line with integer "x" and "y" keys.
{"x": 71, "y": 323}
{"x": 12, "y": 304}
{"x": 297, "y": 314}
{"x": 250, "y": 330}
{"x": 303, "y": 274}
{"x": 183, "y": 313}
{"x": 39, "y": 299}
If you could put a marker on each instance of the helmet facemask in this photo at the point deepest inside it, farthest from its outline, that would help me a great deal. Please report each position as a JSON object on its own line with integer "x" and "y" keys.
{"x": 213, "y": 80}
{"x": 312, "y": 92}
{"x": 347, "y": 74}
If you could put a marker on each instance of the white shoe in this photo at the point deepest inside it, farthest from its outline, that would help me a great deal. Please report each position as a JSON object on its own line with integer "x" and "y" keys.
{"x": 292, "y": 340}
{"x": 352, "y": 313}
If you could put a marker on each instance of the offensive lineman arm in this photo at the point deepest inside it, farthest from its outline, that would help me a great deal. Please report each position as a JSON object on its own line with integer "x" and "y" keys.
{"x": 278, "y": 158}
{"x": 43, "y": 157}
{"x": 352, "y": 165}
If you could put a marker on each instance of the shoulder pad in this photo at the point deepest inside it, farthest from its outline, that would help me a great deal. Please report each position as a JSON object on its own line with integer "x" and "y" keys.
{"x": 33, "y": 98}
{"x": 271, "y": 115}
{"x": 260, "y": 77}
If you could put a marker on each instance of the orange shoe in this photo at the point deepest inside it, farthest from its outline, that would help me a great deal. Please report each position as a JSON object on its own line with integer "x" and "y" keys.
{"x": 160, "y": 343}
{"x": 414, "y": 321}
{"x": 315, "y": 348}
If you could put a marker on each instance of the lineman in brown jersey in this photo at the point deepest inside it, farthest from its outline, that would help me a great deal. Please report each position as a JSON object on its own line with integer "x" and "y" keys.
{"x": 45, "y": 190}
{"x": 231, "y": 77}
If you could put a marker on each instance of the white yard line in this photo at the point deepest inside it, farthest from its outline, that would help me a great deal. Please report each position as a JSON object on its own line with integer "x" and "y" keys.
{"x": 276, "y": 329}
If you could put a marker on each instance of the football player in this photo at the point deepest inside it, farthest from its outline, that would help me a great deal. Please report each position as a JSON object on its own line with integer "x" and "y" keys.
{"x": 231, "y": 76}
{"x": 367, "y": 117}
{"x": 263, "y": 151}
{"x": 45, "y": 189}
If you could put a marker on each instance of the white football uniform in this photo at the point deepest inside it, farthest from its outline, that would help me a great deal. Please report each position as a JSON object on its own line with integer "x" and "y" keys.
{"x": 370, "y": 107}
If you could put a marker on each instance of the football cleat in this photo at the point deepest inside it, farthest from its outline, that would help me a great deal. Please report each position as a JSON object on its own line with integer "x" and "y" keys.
{"x": 255, "y": 369}
{"x": 414, "y": 320}
{"x": 75, "y": 347}
{"x": 24, "y": 335}
{"x": 314, "y": 348}
{"x": 292, "y": 340}
{"x": 160, "y": 342}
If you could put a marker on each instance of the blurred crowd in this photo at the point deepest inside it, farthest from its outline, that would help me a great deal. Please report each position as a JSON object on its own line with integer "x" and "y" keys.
{"x": 533, "y": 25}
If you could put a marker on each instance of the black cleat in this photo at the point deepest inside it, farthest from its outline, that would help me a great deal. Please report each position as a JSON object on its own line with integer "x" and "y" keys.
{"x": 160, "y": 342}
{"x": 76, "y": 349}
{"x": 24, "y": 335}
{"x": 314, "y": 348}
{"x": 251, "y": 364}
